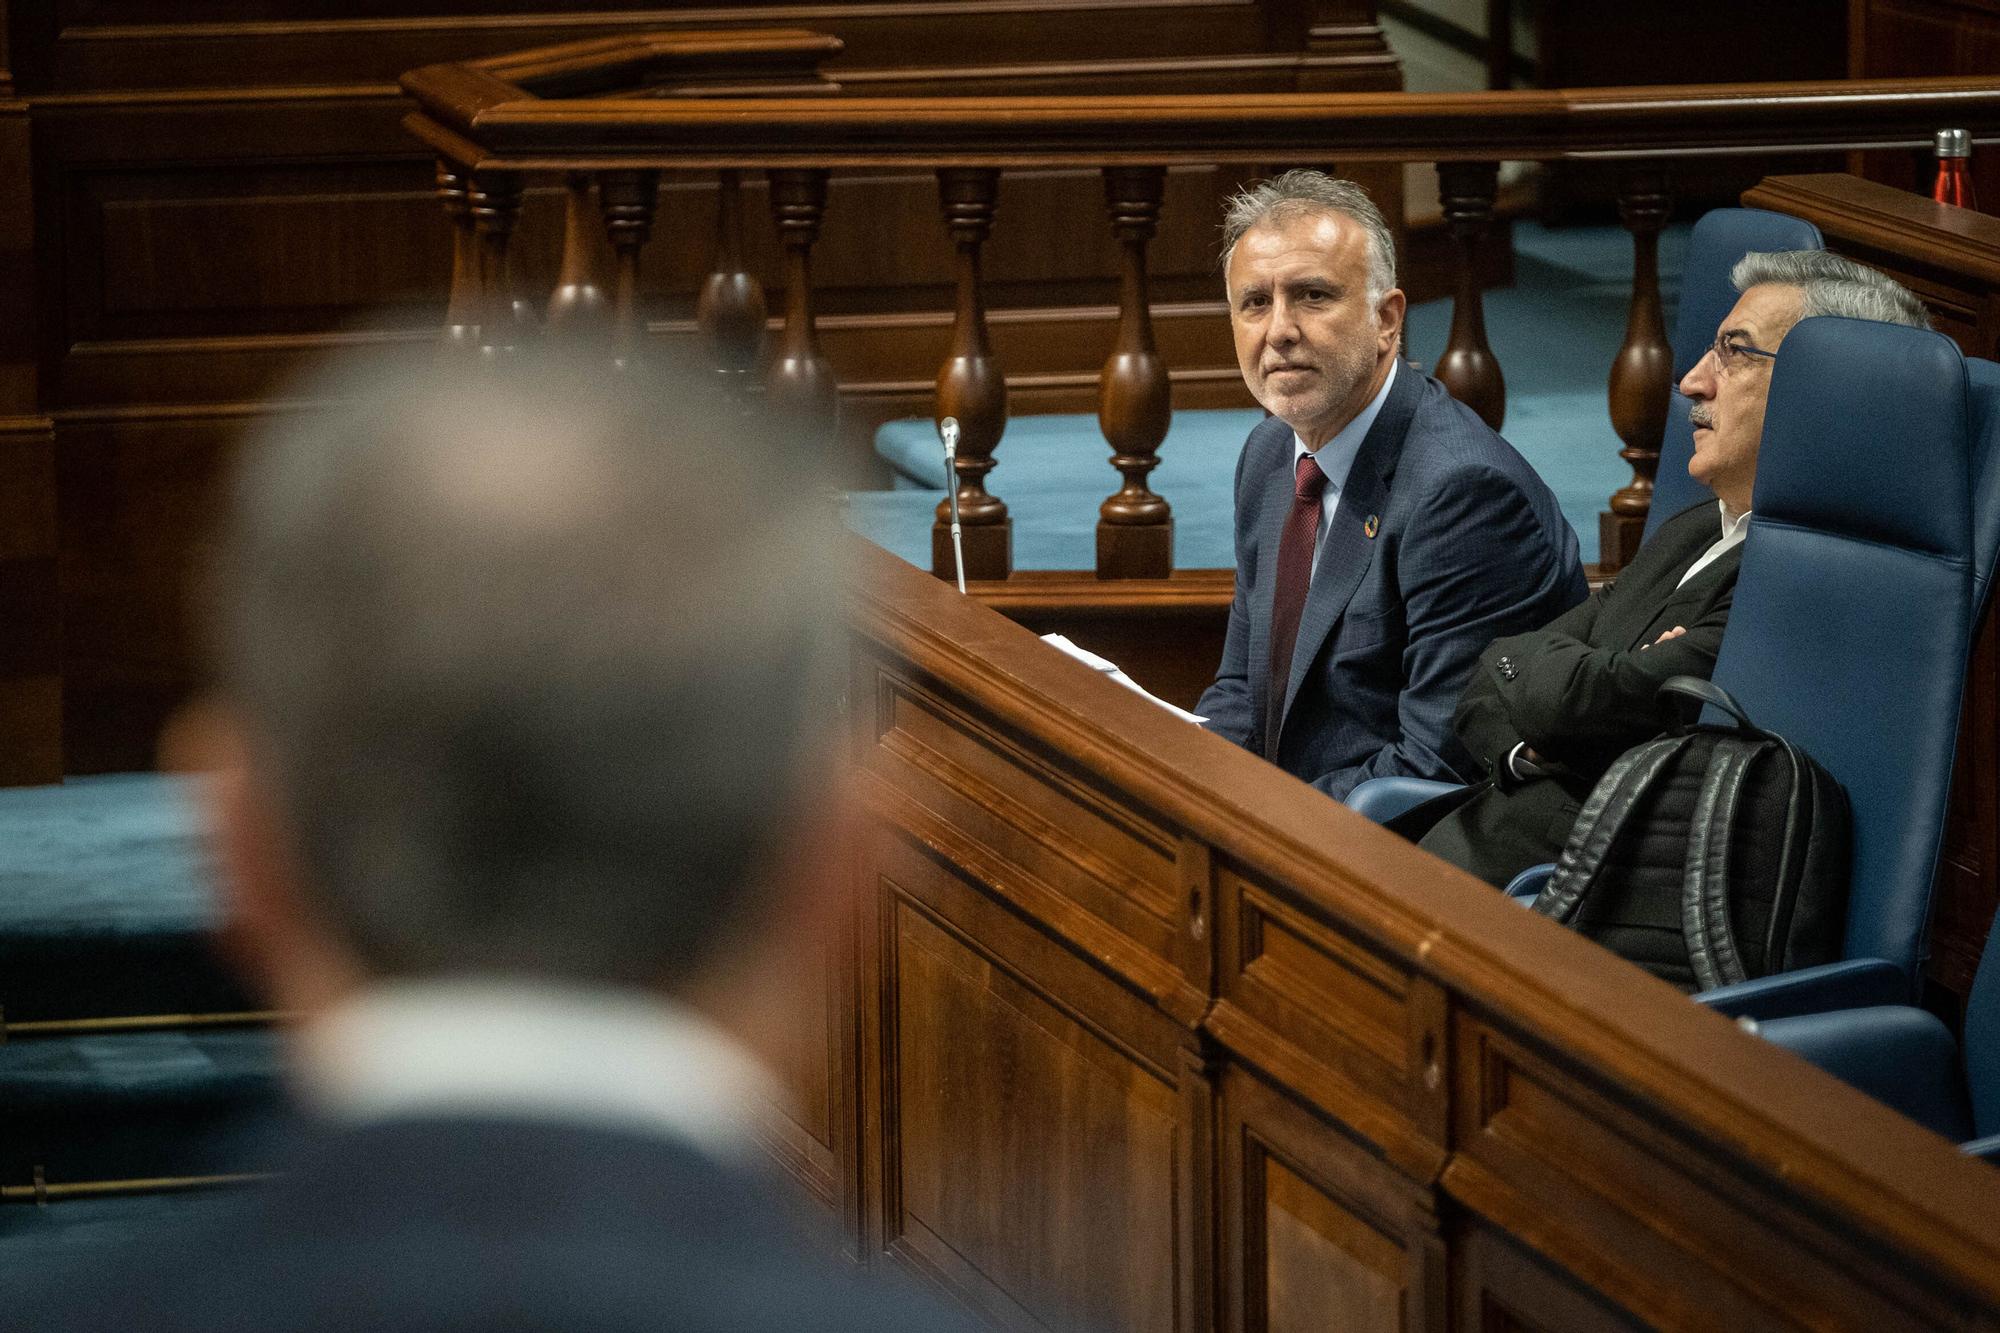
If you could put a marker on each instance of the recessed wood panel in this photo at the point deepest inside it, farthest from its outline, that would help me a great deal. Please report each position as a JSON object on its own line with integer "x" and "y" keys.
{"x": 1323, "y": 1266}
{"x": 1035, "y": 1163}
{"x": 814, "y": 1067}
{"x": 1591, "y": 1184}
{"x": 1318, "y": 1232}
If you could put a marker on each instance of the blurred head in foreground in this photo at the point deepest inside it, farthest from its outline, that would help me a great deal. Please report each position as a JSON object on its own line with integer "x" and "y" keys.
{"x": 520, "y": 676}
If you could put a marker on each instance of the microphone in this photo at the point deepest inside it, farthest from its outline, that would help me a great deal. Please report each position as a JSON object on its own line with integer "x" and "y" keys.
{"x": 948, "y": 432}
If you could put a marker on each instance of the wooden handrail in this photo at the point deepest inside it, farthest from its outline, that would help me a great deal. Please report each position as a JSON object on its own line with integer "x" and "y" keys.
{"x": 569, "y": 110}
{"x": 487, "y": 123}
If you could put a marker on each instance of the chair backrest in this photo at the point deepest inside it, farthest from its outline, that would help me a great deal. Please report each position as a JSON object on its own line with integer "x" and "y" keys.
{"x": 1851, "y": 625}
{"x": 1984, "y": 380}
{"x": 1981, "y": 1042}
{"x": 1722, "y": 237}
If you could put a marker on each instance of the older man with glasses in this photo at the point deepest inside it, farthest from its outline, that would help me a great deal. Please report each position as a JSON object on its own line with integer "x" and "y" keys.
{"x": 1545, "y": 713}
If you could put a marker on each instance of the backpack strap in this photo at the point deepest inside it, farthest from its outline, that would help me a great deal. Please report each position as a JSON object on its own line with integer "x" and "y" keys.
{"x": 1600, "y": 823}
{"x": 1705, "y": 888}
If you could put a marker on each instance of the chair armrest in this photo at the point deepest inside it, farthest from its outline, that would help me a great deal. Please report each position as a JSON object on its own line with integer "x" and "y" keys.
{"x": 1898, "y": 1055}
{"x": 1853, "y": 983}
{"x": 1382, "y": 799}
{"x": 1527, "y": 886}
{"x": 1987, "y": 1149}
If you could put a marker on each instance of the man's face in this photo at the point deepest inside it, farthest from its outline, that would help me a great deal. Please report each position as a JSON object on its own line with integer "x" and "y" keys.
{"x": 1728, "y": 406}
{"x": 1308, "y": 341}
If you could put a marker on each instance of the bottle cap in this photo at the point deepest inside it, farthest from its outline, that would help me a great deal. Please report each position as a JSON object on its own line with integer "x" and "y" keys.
{"x": 1954, "y": 143}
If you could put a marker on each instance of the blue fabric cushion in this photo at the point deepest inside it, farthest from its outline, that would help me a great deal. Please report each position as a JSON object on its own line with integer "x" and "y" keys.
{"x": 1898, "y": 1055}
{"x": 1719, "y": 239}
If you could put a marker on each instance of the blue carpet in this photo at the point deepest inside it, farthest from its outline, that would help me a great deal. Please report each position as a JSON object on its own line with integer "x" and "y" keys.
{"x": 65, "y": 1233}
{"x": 105, "y": 906}
{"x": 1555, "y": 331}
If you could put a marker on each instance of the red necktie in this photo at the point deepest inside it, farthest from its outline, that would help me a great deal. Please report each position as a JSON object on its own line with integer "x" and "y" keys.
{"x": 1295, "y": 567}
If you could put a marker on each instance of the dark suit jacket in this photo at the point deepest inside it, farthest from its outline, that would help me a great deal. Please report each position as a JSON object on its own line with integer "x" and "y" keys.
{"x": 1580, "y": 693}
{"x": 476, "y": 1224}
{"x": 1443, "y": 539}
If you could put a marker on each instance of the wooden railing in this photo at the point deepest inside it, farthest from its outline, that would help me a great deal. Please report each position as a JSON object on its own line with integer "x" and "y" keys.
{"x": 497, "y": 122}
{"x": 1137, "y": 1032}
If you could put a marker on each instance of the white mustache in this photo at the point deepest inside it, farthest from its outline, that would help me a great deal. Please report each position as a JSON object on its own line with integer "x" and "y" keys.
{"x": 1701, "y": 416}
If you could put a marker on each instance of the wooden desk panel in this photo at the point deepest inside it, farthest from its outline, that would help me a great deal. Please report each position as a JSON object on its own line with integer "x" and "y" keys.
{"x": 1358, "y": 1089}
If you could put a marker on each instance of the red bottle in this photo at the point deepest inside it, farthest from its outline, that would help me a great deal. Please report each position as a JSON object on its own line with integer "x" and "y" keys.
{"x": 1954, "y": 181}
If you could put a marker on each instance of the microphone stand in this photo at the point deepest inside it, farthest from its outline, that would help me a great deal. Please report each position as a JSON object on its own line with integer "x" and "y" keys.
{"x": 948, "y": 431}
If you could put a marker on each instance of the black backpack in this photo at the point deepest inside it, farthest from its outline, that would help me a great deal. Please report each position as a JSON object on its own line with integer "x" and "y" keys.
{"x": 1709, "y": 855}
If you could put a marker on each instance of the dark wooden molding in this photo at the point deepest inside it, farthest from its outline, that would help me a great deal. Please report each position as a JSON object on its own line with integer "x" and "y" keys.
{"x": 514, "y": 130}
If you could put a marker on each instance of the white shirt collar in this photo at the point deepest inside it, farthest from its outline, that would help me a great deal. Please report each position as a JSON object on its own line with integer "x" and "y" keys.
{"x": 621, "y": 1059}
{"x": 1336, "y": 457}
{"x": 1734, "y": 525}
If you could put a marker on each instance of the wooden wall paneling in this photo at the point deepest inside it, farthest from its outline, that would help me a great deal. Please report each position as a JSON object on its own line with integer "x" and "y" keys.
{"x": 1951, "y": 259}
{"x": 1332, "y": 1016}
{"x": 1067, "y": 850}
{"x": 30, "y": 607}
{"x": 1496, "y": 1283}
{"x": 1034, "y": 1134}
{"x": 1654, "y": 1222}
{"x": 1427, "y": 1106}
{"x": 127, "y": 45}
{"x": 1167, "y": 633}
{"x": 1317, "y": 1232}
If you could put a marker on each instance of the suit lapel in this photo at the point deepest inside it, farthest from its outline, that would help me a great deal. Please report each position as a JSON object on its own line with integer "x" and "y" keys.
{"x": 1350, "y": 543}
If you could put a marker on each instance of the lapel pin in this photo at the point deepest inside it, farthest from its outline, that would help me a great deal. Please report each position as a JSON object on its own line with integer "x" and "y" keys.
{"x": 1372, "y": 526}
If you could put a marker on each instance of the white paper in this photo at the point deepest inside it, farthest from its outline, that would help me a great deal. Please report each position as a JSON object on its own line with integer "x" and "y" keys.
{"x": 1110, "y": 668}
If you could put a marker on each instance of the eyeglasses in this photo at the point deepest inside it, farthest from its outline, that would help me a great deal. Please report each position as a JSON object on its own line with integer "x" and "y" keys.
{"x": 1729, "y": 355}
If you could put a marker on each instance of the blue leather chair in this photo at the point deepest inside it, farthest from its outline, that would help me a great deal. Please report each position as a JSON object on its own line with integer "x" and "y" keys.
{"x": 1718, "y": 240}
{"x": 1906, "y": 1057}
{"x": 1852, "y": 623}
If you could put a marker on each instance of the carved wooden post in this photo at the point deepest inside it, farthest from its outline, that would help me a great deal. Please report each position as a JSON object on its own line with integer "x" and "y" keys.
{"x": 461, "y": 316}
{"x": 627, "y": 199}
{"x": 1468, "y": 367}
{"x": 1135, "y": 529}
{"x": 495, "y": 201}
{"x": 731, "y": 307}
{"x": 800, "y": 380}
{"x": 579, "y": 303}
{"x": 971, "y": 388}
{"x": 1642, "y": 375}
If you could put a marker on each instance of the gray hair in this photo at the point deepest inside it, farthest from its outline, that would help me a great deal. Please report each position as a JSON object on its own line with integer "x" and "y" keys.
{"x": 1831, "y": 285}
{"x": 537, "y": 662}
{"x": 1304, "y": 193}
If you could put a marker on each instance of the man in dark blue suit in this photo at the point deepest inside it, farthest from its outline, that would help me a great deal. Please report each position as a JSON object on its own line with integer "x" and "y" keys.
{"x": 527, "y": 687}
{"x": 1384, "y": 533}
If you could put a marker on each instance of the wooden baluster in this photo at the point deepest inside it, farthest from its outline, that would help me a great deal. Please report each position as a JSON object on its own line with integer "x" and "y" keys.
{"x": 627, "y": 199}
{"x": 495, "y": 199}
{"x": 579, "y": 303}
{"x": 461, "y": 316}
{"x": 1468, "y": 367}
{"x": 971, "y": 388}
{"x": 1642, "y": 375}
{"x": 800, "y": 383}
{"x": 731, "y": 308}
{"x": 1135, "y": 528}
